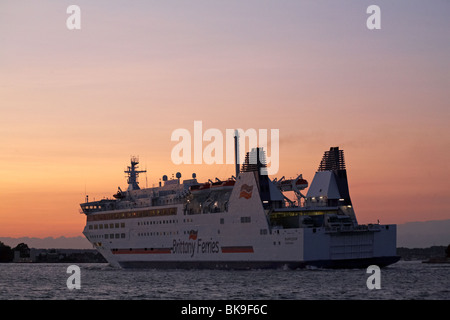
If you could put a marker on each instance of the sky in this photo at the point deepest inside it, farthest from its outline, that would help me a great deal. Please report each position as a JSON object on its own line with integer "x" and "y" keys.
{"x": 76, "y": 104}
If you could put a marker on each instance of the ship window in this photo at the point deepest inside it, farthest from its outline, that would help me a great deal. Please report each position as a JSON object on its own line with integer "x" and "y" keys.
{"x": 122, "y": 225}
{"x": 117, "y": 236}
{"x": 117, "y": 225}
{"x": 101, "y": 226}
{"x": 245, "y": 219}
{"x": 222, "y": 220}
{"x": 122, "y": 235}
{"x": 106, "y": 226}
{"x": 90, "y": 227}
{"x": 111, "y": 225}
{"x": 106, "y": 236}
{"x": 95, "y": 226}
{"x": 111, "y": 236}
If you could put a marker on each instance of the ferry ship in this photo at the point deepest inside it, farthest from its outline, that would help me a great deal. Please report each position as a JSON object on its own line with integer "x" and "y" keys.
{"x": 246, "y": 221}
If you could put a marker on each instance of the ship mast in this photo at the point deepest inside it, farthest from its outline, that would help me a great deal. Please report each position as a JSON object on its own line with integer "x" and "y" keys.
{"x": 133, "y": 174}
{"x": 236, "y": 152}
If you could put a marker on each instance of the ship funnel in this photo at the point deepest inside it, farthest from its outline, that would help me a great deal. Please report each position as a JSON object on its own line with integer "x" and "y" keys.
{"x": 330, "y": 181}
{"x": 332, "y": 160}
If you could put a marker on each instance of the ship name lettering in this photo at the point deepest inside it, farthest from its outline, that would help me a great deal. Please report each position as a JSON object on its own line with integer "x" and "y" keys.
{"x": 183, "y": 247}
{"x": 208, "y": 246}
{"x": 192, "y": 247}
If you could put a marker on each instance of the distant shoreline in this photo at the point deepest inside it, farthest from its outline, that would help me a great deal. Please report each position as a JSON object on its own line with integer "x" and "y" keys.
{"x": 33, "y": 255}
{"x": 62, "y": 242}
{"x": 61, "y": 255}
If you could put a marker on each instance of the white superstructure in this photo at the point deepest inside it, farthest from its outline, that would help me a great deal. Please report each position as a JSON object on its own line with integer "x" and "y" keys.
{"x": 243, "y": 222}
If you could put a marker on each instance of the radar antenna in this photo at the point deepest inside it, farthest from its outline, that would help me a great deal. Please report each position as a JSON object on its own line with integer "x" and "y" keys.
{"x": 133, "y": 174}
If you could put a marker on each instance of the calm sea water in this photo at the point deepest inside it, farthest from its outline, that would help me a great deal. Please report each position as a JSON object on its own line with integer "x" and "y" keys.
{"x": 403, "y": 280}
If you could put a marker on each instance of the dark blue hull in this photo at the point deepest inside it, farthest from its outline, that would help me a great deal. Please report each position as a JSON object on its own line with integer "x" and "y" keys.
{"x": 245, "y": 265}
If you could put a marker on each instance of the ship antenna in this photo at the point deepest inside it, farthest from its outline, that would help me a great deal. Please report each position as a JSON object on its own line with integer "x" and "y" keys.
{"x": 146, "y": 182}
{"x": 85, "y": 192}
{"x": 236, "y": 152}
{"x": 133, "y": 174}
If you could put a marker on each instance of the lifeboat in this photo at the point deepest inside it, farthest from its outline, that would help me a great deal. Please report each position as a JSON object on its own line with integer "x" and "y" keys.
{"x": 120, "y": 194}
{"x": 301, "y": 183}
{"x": 293, "y": 184}
{"x": 228, "y": 183}
{"x": 218, "y": 185}
{"x": 200, "y": 187}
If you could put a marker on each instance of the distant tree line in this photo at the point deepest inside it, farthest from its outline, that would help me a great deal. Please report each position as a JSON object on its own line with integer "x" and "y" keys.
{"x": 7, "y": 253}
{"x": 424, "y": 253}
{"x": 49, "y": 255}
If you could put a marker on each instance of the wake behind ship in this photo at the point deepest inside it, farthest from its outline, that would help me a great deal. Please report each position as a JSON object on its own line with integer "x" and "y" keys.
{"x": 246, "y": 221}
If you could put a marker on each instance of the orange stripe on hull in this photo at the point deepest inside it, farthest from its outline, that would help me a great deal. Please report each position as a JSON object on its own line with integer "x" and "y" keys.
{"x": 141, "y": 251}
{"x": 238, "y": 249}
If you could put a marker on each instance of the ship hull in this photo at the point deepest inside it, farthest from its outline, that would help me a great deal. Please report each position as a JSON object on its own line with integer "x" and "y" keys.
{"x": 248, "y": 265}
{"x": 240, "y": 247}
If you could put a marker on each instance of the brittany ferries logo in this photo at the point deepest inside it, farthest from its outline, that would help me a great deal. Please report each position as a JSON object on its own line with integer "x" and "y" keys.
{"x": 194, "y": 245}
{"x": 246, "y": 191}
{"x": 193, "y": 235}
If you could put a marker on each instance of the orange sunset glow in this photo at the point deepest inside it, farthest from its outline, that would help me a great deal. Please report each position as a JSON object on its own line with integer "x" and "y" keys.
{"x": 76, "y": 104}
